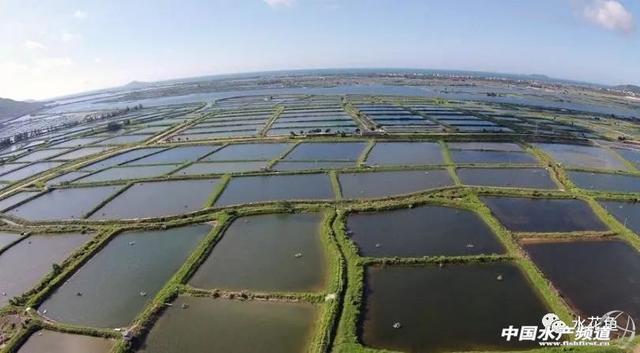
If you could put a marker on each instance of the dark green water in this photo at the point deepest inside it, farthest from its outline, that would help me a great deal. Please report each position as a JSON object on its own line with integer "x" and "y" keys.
{"x": 275, "y": 188}
{"x": 71, "y": 203}
{"x": 627, "y": 213}
{"x": 26, "y": 263}
{"x": 229, "y": 326}
{"x": 405, "y": 153}
{"x": 454, "y": 308}
{"x": 544, "y": 215}
{"x": 45, "y": 341}
{"x": 535, "y": 178}
{"x": 595, "y": 276}
{"x": 157, "y": 199}
{"x": 258, "y": 253}
{"x": 381, "y": 184}
{"x": 111, "y": 282}
{"x": 422, "y": 231}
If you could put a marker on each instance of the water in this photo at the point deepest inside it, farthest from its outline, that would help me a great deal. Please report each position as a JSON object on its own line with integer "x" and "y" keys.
{"x": 251, "y": 189}
{"x": 382, "y": 184}
{"x": 7, "y": 238}
{"x": 422, "y": 231}
{"x": 327, "y": 151}
{"x": 455, "y": 308}
{"x": 125, "y": 139}
{"x": 249, "y": 152}
{"x": 16, "y": 198}
{"x": 486, "y": 146}
{"x": 487, "y": 157}
{"x": 296, "y": 166}
{"x": 133, "y": 262}
{"x": 583, "y": 156}
{"x": 41, "y": 155}
{"x": 80, "y": 153}
{"x": 258, "y": 253}
{"x": 632, "y": 156}
{"x": 176, "y": 155}
{"x": 45, "y": 341}
{"x": 403, "y": 153}
{"x": 221, "y": 168}
{"x": 126, "y": 173}
{"x": 627, "y": 213}
{"x": 596, "y": 276}
{"x": 157, "y": 199}
{"x": 217, "y": 325}
{"x": 71, "y": 203}
{"x": 121, "y": 158}
{"x": 535, "y": 178}
{"x": 605, "y": 182}
{"x": 29, "y": 171}
{"x": 25, "y": 264}
{"x": 544, "y": 215}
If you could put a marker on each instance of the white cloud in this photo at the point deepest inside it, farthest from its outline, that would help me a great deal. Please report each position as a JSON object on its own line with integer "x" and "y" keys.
{"x": 80, "y": 14}
{"x": 67, "y": 37}
{"x": 609, "y": 14}
{"x": 280, "y": 3}
{"x": 33, "y": 45}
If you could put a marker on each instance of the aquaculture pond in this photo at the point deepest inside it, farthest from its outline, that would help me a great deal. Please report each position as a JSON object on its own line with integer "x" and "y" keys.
{"x": 544, "y": 215}
{"x": 232, "y": 326}
{"x": 126, "y": 173}
{"x": 250, "y": 151}
{"x": 293, "y": 166}
{"x": 176, "y": 155}
{"x": 70, "y": 203}
{"x": 121, "y": 158}
{"x": 7, "y": 238}
{"x": 535, "y": 178}
{"x": 405, "y": 153}
{"x": 29, "y": 171}
{"x": 381, "y": 184}
{"x": 25, "y": 264}
{"x": 627, "y": 213}
{"x": 485, "y": 146}
{"x": 583, "y": 156}
{"x": 332, "y": 151}
{"x": 491, "y": 157}
{"x": 250, "y": 189}
{"x": 16, "y": 198}
{"x": 632, "y": 156}
{"x": 605, "y": 182}
{"x": 157, "y": 199}
{"x": 596, "y": 276}
{"x": 421, "y": 231}
{"x": 221, "y": 168}
{"x": 44, "y": 341}
{"x": 277, "y": 252}
{"x": 137, "y": 264}
{"x": 468, "y": 310}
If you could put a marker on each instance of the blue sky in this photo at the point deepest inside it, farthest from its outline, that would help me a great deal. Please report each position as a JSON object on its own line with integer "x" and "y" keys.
{"x": 51, "y": 48}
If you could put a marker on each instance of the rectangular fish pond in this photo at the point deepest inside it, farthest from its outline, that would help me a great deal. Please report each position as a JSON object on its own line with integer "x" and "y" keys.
{"x": 275, "y": 252}
{"x": 405, "y": 153}
{"x": 249, "y": 189}
{"x": 422, "y": 231}
{"x": 137, "y": 264}
{"x": 44, "y": 341}
{"x": 26, "y": 263}
{"x": 204, "y": 325}
{"x": 533, "y": 178}
{"x": 331, "y": 151}
{"x": 605, "y": 182}
{"x": 249, "y": 152}
{"x": 491, "y": 157}
{"x": 627, "y": 213}
{"x": 390, "y": 183}
{"x": 582, "y": 156}
{"x": 158, "y": 199}
{"x": 544, "y": 215}
{"x": 467, "y": 312}
{"x": 595, "y": 276}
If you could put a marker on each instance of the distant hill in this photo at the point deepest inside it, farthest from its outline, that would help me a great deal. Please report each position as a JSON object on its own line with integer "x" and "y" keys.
{"x": 628, "y": 88}
{"x": 10, "y": 109}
